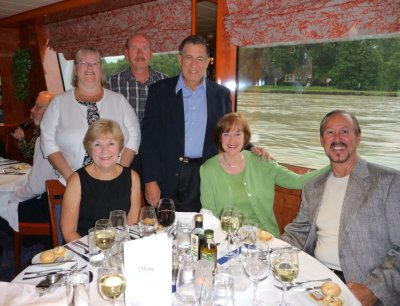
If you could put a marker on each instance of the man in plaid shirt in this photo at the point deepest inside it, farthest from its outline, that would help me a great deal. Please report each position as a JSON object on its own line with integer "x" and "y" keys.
{"x": 135, "y": 81}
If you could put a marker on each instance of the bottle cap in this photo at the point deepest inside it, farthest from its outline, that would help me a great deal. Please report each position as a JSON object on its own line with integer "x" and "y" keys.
{"x": 209, "y": 233}
{"x": 198, "y": 218}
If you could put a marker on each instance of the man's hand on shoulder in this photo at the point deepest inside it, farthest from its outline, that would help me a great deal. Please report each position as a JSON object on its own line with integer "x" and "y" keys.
{"x": 363, "y": 294}
{"x": 152, "y": 193}
{"x": 264, "y": 154}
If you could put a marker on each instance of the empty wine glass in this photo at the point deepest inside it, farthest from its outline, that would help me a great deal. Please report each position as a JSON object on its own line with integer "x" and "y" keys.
{"x": 111, "y": 282}
{"x": 166, "y": 212}
{"x": 248, "y": 232}
{"x": 147, "y": 221}
{"x": 257, "y": 266}
{"x": 286, "y": 269}
{"x": 231, "y": 220}
{"x": 120, "y": 224}
{"x": 104, "y": 235}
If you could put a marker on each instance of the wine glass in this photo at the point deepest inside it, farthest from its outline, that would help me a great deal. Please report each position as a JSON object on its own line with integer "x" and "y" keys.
{"x": 286, "y": 269}
{"x": 120, "y": 224}
{"x": 111, "y": 282}
{"x": 257, "y": 266}
{"x": 104, "y": 235}
{"x": 247, "y": 234}
{"x": 147, "y": 221}
{"x": 166, "y": 212}
{"x": 231, "y": 220}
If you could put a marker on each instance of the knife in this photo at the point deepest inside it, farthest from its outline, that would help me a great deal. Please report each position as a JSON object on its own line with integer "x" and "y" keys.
{"x": 77, "y": 253}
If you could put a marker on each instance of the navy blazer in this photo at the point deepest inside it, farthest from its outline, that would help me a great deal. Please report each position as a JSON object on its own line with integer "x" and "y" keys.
{"x": 163, "y": 130}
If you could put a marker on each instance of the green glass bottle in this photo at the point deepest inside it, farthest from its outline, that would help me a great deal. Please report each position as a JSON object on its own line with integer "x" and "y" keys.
{"x": 208, "y": 249}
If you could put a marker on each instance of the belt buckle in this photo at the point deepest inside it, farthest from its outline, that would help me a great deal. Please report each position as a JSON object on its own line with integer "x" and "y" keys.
{"x": 185, "y": 160}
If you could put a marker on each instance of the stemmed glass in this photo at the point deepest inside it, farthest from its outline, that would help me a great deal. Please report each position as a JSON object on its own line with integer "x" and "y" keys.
{"x": 286, "y": 269}
{"x": 247, "y": 234}
{"x": 257, "y": 266}
{"x": 147, "y": 221}
{"x": 166, "y": 212}
{"x": 120, "y": 224}
{"x": 231, "y": 220}
{"x": 111, "y": 282}
{"x": 104, "y": 236}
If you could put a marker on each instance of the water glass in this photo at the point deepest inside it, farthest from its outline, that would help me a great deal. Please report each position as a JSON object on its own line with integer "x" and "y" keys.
{"x": 96, "y": 256}
{"x": 147, "y": 221}
{"x": 224, "y": 293}
{"x": 204, "y": 281}
{"x": 77, "y": 289}
{"x": 184, "y": 228}
{"x": 186, "y": 284}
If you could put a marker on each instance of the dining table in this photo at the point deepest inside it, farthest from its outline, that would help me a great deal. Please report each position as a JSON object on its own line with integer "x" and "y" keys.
{"x": 13, "y": 174}
{"x": 22, "y": 292}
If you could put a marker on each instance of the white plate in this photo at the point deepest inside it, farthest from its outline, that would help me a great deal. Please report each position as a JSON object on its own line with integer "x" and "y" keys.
{"x": 68, "y": 256}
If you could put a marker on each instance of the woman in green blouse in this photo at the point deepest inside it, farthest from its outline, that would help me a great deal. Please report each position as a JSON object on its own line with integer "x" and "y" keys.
{"x": 240, "y": 179}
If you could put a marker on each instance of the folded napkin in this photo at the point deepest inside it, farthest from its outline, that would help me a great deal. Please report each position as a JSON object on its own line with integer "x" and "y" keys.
{"x": 210, "y": 222}
{"x": 26, "y": 295}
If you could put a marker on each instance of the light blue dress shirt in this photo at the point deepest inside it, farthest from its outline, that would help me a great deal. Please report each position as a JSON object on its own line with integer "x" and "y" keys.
{"x": 195, "y": 110}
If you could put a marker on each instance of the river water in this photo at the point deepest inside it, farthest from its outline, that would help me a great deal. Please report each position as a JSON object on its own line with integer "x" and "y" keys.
{"x": 287, "y": 125}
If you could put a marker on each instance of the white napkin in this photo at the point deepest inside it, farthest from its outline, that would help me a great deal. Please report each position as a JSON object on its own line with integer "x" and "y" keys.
{"x": 26, "y": 295}
{"x": 210, "y": 222}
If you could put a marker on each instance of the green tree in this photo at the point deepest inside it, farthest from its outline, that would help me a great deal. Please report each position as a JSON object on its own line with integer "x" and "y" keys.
{"x": 359, "y": 65}
{"x": 165, "y": 63}
{"x": 392, "y": 72}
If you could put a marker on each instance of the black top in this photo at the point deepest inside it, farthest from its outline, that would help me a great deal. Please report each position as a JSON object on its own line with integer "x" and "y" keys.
{"x": 99, "y": 197}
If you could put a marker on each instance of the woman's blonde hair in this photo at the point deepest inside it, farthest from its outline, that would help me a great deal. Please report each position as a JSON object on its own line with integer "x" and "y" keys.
{"x": 77, "y": 58}
{"x": 103, "y": 128}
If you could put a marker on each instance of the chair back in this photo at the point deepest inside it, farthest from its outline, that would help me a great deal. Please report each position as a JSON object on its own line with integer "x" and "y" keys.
{"x": 55, "y": 192}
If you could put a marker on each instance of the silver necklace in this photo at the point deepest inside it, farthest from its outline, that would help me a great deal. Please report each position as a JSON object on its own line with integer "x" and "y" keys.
{"x": 233, "y": 165}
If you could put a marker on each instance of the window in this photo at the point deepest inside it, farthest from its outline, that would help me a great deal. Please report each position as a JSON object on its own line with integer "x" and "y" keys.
{"x": 285, "y": 92}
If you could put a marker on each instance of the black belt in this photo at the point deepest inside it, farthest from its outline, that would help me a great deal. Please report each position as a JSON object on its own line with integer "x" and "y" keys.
{"x": 190, "y": 160}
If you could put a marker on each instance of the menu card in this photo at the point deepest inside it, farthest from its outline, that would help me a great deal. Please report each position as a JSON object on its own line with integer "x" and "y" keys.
{"x": 148, "y": 266}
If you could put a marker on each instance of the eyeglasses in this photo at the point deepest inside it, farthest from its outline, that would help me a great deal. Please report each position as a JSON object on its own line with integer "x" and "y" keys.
{"x": 199, "y": 60}
{"x": 88, "y": 64}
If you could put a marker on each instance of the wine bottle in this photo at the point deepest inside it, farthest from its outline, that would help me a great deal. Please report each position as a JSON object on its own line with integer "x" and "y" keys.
{"x": 197, "y": 236}
{"x": 208, "y": 249}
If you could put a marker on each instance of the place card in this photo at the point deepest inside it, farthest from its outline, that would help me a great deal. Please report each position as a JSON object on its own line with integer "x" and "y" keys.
{"x": 148, "y": 263}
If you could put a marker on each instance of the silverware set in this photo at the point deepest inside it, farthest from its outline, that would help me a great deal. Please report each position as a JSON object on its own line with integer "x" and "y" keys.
{"x": 81, "y": 245}
{"x": 44, "y": 273}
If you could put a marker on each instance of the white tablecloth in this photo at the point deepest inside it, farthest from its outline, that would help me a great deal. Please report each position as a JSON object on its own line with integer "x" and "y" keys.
{"x": 17, "y": 294}
{"x": 8, "y": 184}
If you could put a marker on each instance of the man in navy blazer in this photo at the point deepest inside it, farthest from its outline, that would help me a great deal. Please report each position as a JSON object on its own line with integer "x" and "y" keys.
{"x": 349, "y": 217}
{"x": 178, "y": 126}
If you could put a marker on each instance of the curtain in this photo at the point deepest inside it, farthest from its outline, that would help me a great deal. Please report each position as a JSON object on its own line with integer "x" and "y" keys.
{"x": 165, "y": 22}
{"x": 279, "y": 22}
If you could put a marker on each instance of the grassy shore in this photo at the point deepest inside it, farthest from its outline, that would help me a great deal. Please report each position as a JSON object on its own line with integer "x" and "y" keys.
{"x": 319, "y": 90}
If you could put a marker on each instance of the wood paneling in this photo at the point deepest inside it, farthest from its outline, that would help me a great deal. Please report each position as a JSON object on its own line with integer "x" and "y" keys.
{"x": 225, "y": 69}
{"x": 287, "y": 201}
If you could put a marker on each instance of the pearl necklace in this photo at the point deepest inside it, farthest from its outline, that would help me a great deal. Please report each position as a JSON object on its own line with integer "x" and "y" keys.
{"x": 233, "y": 165}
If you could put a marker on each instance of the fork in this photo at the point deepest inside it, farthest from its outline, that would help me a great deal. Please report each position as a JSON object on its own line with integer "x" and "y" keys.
{"x": 75, "y": 243}
{"x": 298, "y": 284}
